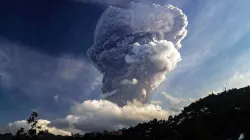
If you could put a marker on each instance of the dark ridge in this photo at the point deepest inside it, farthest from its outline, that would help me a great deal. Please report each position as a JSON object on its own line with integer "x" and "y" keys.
{"x": 220, "y": 116}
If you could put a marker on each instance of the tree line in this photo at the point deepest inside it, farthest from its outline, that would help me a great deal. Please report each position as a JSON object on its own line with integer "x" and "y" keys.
{"x": 222, "y": 116}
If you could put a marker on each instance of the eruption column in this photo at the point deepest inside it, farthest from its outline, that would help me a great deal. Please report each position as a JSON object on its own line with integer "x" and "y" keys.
{"x": 134, "y": 48}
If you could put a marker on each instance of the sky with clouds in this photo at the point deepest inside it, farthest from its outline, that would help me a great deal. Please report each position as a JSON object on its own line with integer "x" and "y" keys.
{"x": 44, "y": 67}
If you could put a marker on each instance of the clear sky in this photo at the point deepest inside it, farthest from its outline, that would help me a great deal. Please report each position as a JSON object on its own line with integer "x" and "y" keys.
{"x": 44, "y": 67}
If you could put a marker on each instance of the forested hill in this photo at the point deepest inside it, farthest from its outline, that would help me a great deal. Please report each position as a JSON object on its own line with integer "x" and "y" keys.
{"x": 216, "y": 117}
{"x": 224, "y": 116}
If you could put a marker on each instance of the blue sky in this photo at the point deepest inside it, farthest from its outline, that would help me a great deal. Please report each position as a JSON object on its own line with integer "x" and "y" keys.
{"x": 218, "y": 37}
{"x": 44, "y": 65}
{"x": 215, "y": 53}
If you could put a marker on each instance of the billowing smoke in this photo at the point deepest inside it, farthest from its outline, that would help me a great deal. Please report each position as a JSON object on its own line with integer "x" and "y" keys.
{"x": 134, "y": 48}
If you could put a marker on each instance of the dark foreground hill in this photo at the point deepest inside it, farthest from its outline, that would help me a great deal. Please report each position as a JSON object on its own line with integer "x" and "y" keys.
{"x": 225, "y": 116}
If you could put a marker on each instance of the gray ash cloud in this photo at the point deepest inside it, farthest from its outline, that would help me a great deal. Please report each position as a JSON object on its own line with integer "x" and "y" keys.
{"x": 134, "y": 48}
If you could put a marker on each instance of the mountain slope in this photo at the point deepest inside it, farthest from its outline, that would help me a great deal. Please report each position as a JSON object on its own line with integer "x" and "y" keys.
{"x": 222, "y": 116}
{"x": 225, "y": 116}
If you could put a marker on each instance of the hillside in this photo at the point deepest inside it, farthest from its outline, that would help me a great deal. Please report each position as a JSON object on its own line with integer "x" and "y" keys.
{"x": 216, "y": 117}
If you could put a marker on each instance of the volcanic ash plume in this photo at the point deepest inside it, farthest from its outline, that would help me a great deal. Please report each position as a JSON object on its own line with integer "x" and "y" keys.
{"x": 134, "y": 48}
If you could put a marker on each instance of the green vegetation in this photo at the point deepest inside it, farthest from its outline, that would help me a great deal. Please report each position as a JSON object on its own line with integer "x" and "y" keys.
{"x": 216, "y": 117}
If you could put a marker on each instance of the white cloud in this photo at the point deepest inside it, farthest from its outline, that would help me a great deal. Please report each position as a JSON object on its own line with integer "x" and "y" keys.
{"x": 99, "y": 115}
{"x": 214, "y": 42}
{"x": 14, "y": 126}
{"x": 156, "y": 102}
{"x": 56, "y": 97}
{"x": 129, "y": 82}
{"x": 175, "y": 101}
{"x": 176, "y": 104}
{"x": 215, "y": 28}
{"x": 172, "y": 99}
{"x": 237, "y": 80}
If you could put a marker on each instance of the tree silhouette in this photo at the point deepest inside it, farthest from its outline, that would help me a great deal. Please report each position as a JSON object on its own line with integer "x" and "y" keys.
{"x": 21, "y": 132}
{"x": 215, "y": 117}
{"x": 33, "y": 122}
{"x": 34, "y": 130}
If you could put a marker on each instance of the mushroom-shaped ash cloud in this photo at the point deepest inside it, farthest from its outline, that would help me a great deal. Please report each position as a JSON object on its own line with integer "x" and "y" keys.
{"x": 134, "y": 47}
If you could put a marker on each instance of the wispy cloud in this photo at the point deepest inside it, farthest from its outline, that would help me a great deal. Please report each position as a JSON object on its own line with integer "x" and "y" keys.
{"x": 175, "y": 104}
{"x": 14, "y": 126}
{"x": 214, "y": 43}
{"x": 238, "y": 80}
{"x": 39, "y": 75}
{"x": 216, "y": 27}
{"x": 56, "y": 98}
